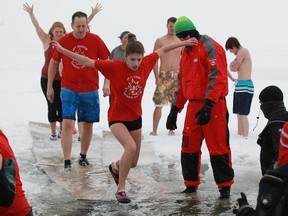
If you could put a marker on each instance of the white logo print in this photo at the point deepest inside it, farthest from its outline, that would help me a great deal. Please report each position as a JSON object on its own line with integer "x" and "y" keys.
{"x": 212, "y": 62}
{"x": 80, "y": 49}
{"x": 134, "y": 89}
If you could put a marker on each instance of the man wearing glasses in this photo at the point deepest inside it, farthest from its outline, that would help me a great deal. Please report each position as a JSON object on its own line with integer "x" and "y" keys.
{"x": 204, "y": 83}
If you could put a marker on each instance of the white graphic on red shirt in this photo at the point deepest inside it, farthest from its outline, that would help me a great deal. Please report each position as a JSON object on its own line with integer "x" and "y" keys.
{"x": 134, "y": 89}
{"x": 80, "y": 49}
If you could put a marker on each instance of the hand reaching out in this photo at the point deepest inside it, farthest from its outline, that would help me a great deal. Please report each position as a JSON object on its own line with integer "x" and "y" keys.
{"x": 57, "y": 45}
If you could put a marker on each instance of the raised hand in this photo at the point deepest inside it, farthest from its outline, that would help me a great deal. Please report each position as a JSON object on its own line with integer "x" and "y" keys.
{"x": 28, "y": 8}
{"x": 96, "y": 9}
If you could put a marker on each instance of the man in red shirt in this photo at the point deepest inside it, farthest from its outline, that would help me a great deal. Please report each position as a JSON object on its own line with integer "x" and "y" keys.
{"x": 12, "y": 196}
{"x": 204, "y": 83}
{"x": 79, "y": 87}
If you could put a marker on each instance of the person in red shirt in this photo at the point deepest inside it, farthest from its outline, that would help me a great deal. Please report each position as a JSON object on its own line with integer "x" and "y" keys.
{"x": 128, "y": 79}
{"x": 12, "y": 197}
{"x": 79, "y": 86}
{"x": 56, "y": 31}
{"x": 204, "y": 83}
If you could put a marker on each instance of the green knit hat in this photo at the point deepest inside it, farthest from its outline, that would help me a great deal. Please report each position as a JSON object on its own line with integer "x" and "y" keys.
{"x": 183, "y": 24}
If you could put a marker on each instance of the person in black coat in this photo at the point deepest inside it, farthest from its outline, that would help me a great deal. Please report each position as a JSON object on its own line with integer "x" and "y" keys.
{"x": 272, "y": 106}
{"x": 273, "y": 187}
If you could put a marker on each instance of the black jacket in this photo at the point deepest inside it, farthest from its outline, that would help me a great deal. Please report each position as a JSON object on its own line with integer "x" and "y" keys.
{"x": 268, "y": 139}
{"x": 272, "y": 197}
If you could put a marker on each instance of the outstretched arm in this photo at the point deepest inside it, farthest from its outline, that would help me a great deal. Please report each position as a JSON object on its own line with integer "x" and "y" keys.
{"x": 43, "y": 36}
{"x": 95, "y": 10}
{"x": 79, "y": 58}
{"x": 191, "y": 42}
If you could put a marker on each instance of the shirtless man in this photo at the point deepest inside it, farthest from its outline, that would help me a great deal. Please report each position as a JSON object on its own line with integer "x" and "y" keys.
{"x": 166, "y": 79}
{"x": 244, "y": 88}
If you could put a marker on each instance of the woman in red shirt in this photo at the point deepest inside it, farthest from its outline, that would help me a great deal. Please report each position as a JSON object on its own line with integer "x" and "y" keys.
{"x": 127, "y": 82}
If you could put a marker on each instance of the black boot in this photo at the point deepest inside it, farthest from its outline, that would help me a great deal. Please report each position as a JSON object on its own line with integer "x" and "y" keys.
{"x": 224, "y": 192}
{"x": 189, "y": 189}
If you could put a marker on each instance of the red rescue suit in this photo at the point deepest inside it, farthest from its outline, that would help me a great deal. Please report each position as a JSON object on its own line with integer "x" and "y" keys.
{"x": 203, "y": 75}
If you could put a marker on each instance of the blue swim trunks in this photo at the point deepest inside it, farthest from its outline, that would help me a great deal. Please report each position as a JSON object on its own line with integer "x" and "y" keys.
{"x": 243, "y": 94}
{"x": 85, "y": 103}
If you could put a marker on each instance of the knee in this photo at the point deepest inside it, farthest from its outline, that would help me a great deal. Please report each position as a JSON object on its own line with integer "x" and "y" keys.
{"x": 68, "y": 126}
{"x": 131, "y": 149}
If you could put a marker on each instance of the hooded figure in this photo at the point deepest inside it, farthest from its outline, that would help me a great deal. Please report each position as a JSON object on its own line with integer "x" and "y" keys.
{"x": 272, "y": 106}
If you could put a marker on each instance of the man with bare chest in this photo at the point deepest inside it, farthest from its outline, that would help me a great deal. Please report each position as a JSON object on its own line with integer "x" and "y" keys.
{"x": 166, "y": 77}
{"x": 244, "y": 88}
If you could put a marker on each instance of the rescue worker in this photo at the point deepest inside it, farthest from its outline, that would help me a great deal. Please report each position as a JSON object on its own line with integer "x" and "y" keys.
{"x": 204, "y": 83}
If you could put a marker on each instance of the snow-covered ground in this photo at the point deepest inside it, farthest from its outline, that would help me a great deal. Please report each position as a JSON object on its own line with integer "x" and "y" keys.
{"x": 261, "y": 31}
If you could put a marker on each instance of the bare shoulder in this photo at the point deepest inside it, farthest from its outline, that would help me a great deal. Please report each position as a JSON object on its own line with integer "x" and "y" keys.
{"x": 166, "y": 39}
{"x": 244, "y": 51}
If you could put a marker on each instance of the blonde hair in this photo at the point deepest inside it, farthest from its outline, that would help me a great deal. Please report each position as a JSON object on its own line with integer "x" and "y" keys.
{"x": 55, "y": 25}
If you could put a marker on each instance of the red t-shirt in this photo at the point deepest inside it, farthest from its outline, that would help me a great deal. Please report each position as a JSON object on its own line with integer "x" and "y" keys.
{"x": 126, "y": 86}
{"x": 75, "y": 76}
{"x": 20, "y": 206}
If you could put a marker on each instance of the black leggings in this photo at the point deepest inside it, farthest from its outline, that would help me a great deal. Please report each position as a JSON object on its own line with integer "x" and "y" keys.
{"x": 55, "y": 108}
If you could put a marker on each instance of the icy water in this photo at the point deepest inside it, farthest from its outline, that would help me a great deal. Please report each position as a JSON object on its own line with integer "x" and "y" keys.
{"x": 47, "y": 198}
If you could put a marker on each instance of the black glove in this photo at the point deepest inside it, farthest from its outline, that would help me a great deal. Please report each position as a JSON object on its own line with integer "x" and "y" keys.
{"x": 244, "y": 207}
{"x": 7, "y": 183}
{"x": 9, "y": 170}
{"x": 243, "y": 200}
{"x": 204, "y": 113}
{"x": 172, "y": 118}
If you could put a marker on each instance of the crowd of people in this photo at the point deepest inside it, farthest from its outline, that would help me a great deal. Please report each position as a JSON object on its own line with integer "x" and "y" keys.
{"x": 193, "y": 70}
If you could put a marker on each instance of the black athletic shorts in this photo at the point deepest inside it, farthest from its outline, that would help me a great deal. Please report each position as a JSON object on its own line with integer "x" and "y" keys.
{"x": 130, "y": 125}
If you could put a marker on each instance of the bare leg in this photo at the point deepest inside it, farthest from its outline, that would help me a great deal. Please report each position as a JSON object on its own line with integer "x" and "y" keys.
{"x": 156, "y": 118}
{"x": 244, "y": 125}
{"x": 66, "y": 138}
{"x": 240, "y": 128}
{"x": 80, "y": 128}
{"x": 86, "y": 137}
{"x": 53, "y": 127}
{"x": 131, "y": 142}
{"x": 60, "y": 126}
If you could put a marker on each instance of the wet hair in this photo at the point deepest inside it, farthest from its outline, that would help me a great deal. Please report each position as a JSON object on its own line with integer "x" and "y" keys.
{"x": 78, "y": 14}
{"x": 134, "y": 46}
{"x": 131, "y": 37}
{"x": 123, "y": 34}
{"x": 55, "y": 25}
{"x": 172, "y": 19}
{"x": 231, "y": 43}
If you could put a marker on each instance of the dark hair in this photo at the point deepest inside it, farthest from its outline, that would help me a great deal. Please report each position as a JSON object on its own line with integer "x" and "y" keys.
{"x": 134, "y": 47}
{"x": 231, "y": 43}
{"x": 172, "y": 19}
{"x": 78, "y": 14}
{"x": 123, "y": 34}
{"x": 131, "y": 37}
